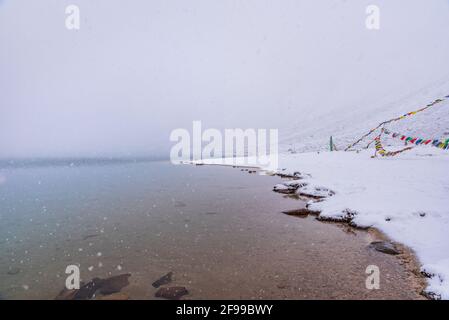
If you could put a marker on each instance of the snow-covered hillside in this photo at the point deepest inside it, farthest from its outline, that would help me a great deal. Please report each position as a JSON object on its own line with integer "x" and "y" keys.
{"x": 347, "y": 125}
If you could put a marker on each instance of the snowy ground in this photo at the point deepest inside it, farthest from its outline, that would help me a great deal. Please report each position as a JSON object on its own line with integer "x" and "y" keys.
{"x": 406, "y": 197}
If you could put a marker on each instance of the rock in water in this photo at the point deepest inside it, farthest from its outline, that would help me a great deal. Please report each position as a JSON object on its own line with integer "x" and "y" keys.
{"x": 114, "y": 284}
{"x": 385, "y": 247}
{"x": 171, "y": 293}
{"x": 66, "y": 294}
{"x": 162, "y": 280}
{"x": 88, "y": 290}
{"x": 13, "y": 271}
{"x": 299, "y": 212}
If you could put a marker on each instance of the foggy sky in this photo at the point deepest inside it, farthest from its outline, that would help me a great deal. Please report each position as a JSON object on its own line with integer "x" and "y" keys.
{"x": 138, "y": 69}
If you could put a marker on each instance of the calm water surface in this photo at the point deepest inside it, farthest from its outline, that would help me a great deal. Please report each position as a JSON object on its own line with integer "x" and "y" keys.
{"x": 218, "y": 229}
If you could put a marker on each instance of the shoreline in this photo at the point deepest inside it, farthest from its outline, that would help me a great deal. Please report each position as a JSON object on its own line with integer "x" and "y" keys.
{"x": 407, "y": 257}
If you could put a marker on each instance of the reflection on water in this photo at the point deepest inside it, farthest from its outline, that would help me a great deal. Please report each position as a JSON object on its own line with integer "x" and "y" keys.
{"x": 218, "y": 230}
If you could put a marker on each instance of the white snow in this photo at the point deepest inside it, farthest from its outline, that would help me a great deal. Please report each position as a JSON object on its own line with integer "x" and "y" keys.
{"x": 352, "y": 122}
{"x": 405, "y": 196}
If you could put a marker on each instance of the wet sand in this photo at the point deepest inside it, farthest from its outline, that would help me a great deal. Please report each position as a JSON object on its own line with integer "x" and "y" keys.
{"x": 220, "y": 231}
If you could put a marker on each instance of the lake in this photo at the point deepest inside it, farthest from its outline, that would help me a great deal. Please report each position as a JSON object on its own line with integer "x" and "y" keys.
{"x": 219, "y": 230}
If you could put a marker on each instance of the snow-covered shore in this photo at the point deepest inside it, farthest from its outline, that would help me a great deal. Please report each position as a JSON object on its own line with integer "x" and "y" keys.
{"x": 406, "y": 197}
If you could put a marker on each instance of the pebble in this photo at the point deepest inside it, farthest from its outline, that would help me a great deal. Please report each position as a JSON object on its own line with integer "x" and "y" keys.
{"x": 384, "y": 247}
{"x": 171, "y": 293}
{"x": 166, "y": 279}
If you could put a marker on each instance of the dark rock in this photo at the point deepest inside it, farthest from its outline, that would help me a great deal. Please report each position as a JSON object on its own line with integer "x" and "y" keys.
{"x": 114, "y": 284}
{"x": 13, "y": 271}
{"x": 299, "y": 212}
{"x": 88, "y": 236}
{"x": 384, "y": 247}
{"x": 66, "y": 294}
{"x": 171, "y": 293}
{"x": 311, "y": 196}
{"x": 88, "y": 290}
{"x": 166, "y": 279}
{"x": 286, "y": 189}
{"x": 85, "y": 292}
{"x": 287, "y": 176}
{"x": 430, "y": 295}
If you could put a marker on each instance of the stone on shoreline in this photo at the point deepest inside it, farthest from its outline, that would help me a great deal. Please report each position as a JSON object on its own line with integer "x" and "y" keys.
{"x": 299, "y": 212}
{"x": 285, "y": 189}
{"x": 384, "y": 247}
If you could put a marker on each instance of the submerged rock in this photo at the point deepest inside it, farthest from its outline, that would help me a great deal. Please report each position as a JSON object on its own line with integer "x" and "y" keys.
{"x": 85, "y": 292}
{"x": 88, "y": 236}
{"x": 384, "y": 247}
{"x": 66, "y": 294}
{"x": 13, "y": 271}
{"x": 171, "y": 293}
{"x": 88, "y": 290}
{"x": 166, "y": 279}
{"x": 114, "y": 284}
{"x": 300, "y": 212}
{"x": 104, "y": 286}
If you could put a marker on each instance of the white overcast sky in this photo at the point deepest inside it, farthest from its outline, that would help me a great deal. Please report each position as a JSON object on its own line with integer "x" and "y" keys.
{"x": 139, "y": 68}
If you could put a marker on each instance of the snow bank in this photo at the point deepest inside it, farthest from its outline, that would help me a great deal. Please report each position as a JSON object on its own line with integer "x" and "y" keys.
{"x": 406, "y": 197}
